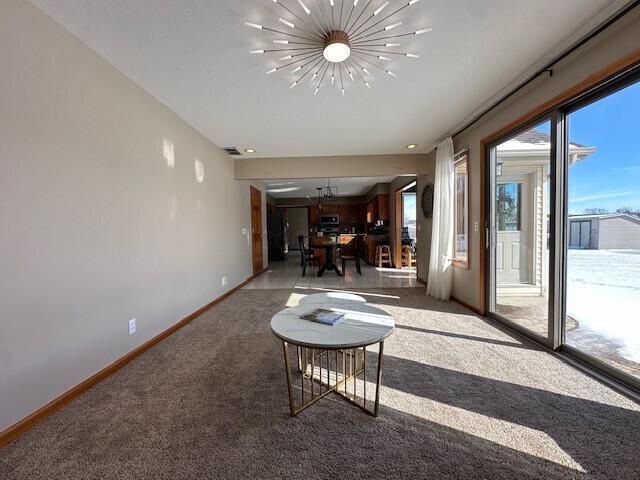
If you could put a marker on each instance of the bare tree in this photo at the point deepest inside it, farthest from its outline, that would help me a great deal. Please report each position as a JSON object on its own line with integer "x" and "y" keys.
{"x": 629, "y": 211}
{"x": 595, "y": 211}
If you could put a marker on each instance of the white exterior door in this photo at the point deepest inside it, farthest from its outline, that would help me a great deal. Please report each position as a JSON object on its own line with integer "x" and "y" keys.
{"x": 513, "y": 232}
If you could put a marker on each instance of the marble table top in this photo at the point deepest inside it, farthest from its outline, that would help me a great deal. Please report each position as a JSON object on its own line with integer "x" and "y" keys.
{"x": 363, "y": 324}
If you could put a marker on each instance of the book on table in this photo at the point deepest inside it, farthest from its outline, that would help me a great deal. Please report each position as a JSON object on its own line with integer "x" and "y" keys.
{"x": 324, "y": 316}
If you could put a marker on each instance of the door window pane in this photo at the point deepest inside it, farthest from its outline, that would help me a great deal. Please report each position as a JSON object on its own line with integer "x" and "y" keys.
{"x": 519, "y": 225}
{"x": 603, "y": 261}
{"x": 508, "y": 206}
{"x": 409, "y": 214}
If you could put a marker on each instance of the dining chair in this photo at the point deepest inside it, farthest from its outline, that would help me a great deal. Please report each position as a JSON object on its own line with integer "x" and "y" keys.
{"x": 354, "y": 250}
{"x": 306, "y": 255}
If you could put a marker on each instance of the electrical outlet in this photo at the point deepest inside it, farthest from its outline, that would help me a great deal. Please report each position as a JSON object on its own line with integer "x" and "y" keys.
{"x": 244, "y": 231}
{"x": 225, "y": 280}
{"x": 475, "y": 226}
{"x": 132, "y": 326}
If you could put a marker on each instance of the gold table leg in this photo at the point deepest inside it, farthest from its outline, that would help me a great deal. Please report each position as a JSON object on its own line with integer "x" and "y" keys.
{"x": 355, "y": 369}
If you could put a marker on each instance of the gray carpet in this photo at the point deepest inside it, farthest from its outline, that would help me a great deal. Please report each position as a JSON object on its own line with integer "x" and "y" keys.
{"x": 461, "y": 399}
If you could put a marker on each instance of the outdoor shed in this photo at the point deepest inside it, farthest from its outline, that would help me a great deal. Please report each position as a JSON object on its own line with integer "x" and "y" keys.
{"x": 604, "y": 231}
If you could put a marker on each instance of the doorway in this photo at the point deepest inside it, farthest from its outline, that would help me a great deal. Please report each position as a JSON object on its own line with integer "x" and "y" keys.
{"x": 256, "y": 230}
{"x": 519, "y": 169}
{"x": 298, "y": 219}
{"x": 405, "y": 225}
{"x": 551, "y": 186}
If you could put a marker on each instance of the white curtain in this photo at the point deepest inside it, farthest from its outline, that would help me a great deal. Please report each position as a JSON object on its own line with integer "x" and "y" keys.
{"x": 440, "y": 266}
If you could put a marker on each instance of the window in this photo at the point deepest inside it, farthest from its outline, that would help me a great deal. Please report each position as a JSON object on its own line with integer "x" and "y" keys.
{"x": 461, "y": 225}
{"x": 508, "y": 206}
{"x": 563, "y": 228}
{"x": 603, "y": 258}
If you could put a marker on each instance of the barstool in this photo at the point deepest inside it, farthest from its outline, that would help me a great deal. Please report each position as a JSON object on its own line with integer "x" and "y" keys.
{"x": 383, "y": 256}
{"x": 408, "y": 259}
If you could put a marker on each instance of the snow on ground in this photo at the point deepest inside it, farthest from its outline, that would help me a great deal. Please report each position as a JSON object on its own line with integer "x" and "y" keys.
{"x": 603, "y": 295}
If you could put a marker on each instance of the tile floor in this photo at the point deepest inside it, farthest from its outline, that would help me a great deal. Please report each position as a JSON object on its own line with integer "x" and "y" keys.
{"x": 288, "y": 274}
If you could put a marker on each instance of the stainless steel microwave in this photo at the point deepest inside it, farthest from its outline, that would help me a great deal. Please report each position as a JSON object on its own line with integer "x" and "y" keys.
{"x": 327, "y": 219}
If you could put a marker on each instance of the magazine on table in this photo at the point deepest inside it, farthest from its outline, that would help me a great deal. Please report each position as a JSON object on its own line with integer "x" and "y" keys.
{"x": 324, "y": 316}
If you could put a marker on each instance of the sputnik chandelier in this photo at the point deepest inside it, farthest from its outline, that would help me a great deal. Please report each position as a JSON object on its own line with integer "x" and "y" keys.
{"x": 327, "y": 193}
{"x": 334, "y": 41}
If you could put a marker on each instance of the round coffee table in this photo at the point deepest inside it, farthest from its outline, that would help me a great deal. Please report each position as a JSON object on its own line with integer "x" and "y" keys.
{"x": 333, "y": 358}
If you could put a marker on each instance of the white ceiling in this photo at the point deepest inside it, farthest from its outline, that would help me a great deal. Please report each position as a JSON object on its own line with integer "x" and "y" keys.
{"x": 193, "y": 56}
{"x": 307, "y": 187}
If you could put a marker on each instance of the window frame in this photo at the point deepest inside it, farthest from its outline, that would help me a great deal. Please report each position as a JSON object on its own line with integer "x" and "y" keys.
{"x": 461, "y": 158}
{"x": 558, "y": 113}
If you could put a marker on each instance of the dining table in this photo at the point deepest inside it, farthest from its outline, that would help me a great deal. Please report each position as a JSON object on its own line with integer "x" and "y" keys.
{"x": 330, "y": 244}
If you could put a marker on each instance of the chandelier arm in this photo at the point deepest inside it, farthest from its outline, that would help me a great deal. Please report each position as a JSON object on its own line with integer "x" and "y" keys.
{"x": 361, "y": 50}
{"x": 333, "y": 20}
{"x": 315, "y": 74}
{"x": 382, "y": 38}
{"x": 355, "y": 29}
{"x": 316, "y": 45}
{"x": 371, "y": 63}
{"x": 304, "y": 22}
{"x": 317, "y": 59}
{"x": 362, "y": 37}
{"x": 323, "y": 74}
{"x": 349, "y": 17}
{"x": 341, "y": 10}
{"x": 357, "y": 68}
{"x": 356, "y": 34}
{"x": 305, "y": 55}
{"x": 384, "y": 45}
{"x": 318, "y": 35}
{"x": 355, "y": 39}
{"x": 273, "y": 50}
{"x": 358, "y": 17}
{"x": 311, "y": 39}
{"x": 295, "y": 61}
{"x": 326, "y": 22}
{"x": 321, "y": 26}
{"x": 340, "y": 72}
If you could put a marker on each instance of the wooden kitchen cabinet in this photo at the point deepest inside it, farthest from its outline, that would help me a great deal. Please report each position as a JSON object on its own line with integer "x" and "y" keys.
{"x": 378, "y": 208}
{"x": 329, "y": 209}
{"x": 372, "y": 210}
{"x": 383, "y": 207}
{"x": 361, "y": 214}
{"x": 314, "y": 216}
{"x": 348, "y": 214}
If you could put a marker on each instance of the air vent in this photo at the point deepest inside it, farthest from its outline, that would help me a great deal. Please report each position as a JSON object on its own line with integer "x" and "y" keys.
{"x": 232, "y": 151}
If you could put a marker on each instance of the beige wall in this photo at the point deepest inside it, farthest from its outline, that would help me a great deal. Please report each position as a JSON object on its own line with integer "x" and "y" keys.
{"x": 320, "y": 167}
{"x": 426, "y": 175}
{"x": 377, "y": 189}
{"x": 298, "y": 219}
{"x": 97, "y": 228}
{"x": 616, "y": 42}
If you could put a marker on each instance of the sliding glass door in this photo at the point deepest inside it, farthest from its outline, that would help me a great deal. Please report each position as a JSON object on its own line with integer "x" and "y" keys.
{"x": 603, "y": 221}
{"x": 563, "y": 228}
{"x": 519, "y": 218}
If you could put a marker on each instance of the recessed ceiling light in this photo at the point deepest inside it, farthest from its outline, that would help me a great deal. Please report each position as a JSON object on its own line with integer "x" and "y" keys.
{"x": 249, "y": 150}
{"x": 411, "y": 146}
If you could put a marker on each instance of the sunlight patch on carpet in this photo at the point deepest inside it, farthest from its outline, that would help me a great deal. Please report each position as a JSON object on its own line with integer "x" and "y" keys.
{"x": 507, "y": 434}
